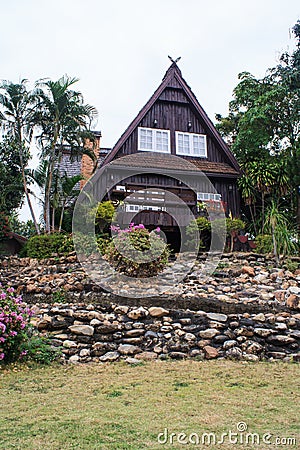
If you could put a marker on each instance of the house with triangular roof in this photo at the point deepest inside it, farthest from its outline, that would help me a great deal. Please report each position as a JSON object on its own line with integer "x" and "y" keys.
{"x": 173, "y": 122}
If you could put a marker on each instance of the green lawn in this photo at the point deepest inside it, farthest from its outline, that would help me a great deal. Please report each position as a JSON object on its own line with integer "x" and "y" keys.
{"x": 117, "y": 406}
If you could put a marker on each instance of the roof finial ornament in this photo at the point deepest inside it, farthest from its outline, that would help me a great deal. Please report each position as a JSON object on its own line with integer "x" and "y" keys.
{"x": 176, "y": 60}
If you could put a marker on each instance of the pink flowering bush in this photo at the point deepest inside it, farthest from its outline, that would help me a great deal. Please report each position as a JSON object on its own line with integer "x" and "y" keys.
{"x": 136, "y": 252}
{"x": 14, "y": 324}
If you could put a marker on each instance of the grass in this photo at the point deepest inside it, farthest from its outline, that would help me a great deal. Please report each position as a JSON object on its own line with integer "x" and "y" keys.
{"x": 116, "y": 406}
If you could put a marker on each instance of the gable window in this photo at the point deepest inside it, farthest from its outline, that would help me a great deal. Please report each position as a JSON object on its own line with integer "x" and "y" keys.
{"x": 154, "y": 140}
{"x": 191, "y": 144}
{"x": 206, "y": 196}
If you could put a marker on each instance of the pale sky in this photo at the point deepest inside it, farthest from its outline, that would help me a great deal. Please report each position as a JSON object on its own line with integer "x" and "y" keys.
{"x": 118, "y": 49}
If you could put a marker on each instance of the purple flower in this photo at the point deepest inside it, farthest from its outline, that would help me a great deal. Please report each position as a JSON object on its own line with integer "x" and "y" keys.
{"x": 157, "y": 230}
{"x": 2, "y": 356}
{"x": 2, "y": 296}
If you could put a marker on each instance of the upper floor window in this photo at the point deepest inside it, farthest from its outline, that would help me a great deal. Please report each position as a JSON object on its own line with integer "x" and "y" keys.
{"x": 191, "y": 144}
{"x": 154, "y": 140}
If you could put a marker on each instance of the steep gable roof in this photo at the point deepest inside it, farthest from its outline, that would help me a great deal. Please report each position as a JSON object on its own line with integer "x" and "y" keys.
{"x": 172, "y": 75}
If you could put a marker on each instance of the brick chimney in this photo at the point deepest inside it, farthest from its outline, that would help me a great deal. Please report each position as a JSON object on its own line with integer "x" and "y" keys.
{"x": 87, "y": 164}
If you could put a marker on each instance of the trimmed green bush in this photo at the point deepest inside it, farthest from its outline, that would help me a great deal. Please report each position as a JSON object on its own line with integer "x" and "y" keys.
{"x": 45, "y": 245}
{"x": 204, "y": 228}
{"x": 264, "y": 243}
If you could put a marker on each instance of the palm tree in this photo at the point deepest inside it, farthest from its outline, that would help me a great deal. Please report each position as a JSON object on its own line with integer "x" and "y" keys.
{"x": 16, "y": 117}
{"x": 68, "y": 192}
{"x": 63, "y": 120}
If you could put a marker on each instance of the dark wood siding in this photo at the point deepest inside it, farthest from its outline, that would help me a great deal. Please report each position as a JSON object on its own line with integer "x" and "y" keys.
{"x": 174, "y": 116}
{"x": 175, "y": 108}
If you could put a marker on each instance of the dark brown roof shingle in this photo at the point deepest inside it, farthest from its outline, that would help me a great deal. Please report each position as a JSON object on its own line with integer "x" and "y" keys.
{"x": 161, "y": 161}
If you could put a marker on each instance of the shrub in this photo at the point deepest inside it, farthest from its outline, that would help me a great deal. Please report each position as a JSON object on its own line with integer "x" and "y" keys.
{"x": 136, "y": 252}
{"x": 233, "y": 226}
{"x": 45, "y": 245}
{"x": 264, "y": 243}
{"x": 104, "y": 215}
{"x": 14, "y": 325}
{"x": 204, "y": 228}
{"x": 290, "y": 265}
{"x": 39, "y": 349}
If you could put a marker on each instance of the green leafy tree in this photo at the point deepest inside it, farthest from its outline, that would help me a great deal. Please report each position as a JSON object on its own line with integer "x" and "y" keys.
{"x": 16, "y": 116}
{"x": 63, "y": 120}
{"x": 11, "y": 183}
{"x": 263, "y": 128}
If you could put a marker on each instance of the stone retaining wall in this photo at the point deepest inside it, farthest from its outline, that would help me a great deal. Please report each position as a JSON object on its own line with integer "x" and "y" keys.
{"x": 243, "y": 283}
{"x": 98, "y": 333}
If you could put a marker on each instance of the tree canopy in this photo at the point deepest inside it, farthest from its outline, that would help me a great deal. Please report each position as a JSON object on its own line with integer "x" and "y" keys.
{"x": 263, "y": 130}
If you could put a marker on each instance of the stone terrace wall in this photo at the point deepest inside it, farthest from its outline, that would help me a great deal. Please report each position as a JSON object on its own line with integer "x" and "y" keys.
{"x": 248, "y": 309}
{"x": 242, "y": 283}
{"x": 108, "y": 333}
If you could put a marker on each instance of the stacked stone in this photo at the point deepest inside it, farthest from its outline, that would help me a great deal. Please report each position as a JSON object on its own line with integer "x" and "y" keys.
{"x": 242, "y": 282}
{"x": 94, "y": 333}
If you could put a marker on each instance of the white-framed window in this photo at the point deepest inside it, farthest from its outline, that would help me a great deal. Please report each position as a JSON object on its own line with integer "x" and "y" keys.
{"x": 154, "y": 140}
{"x": 136, "y": 208}
{"x": 191, "y": 144}
{"x": 206, "y": 196}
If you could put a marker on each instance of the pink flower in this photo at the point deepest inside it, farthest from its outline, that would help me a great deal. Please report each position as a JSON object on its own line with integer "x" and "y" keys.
{"x": 157, "y": 230}
{"x": 2, "y": 356}
{"x": 2, "y": 296}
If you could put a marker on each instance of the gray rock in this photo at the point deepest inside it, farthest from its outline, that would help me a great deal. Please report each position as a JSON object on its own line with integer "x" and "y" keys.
{"x": 209, "y": 333}
{"x": 133, "y": 361}
{"x": 86, "y": 330}
{"x": 121, "y": 309}
{"x": 137, "y": 313}
{"x": 229, "y": 344}
{"x": 234, "y": 353}
{"x": 263, "y": 332}
{"x": 217, "y": 317}
{"x": 84, "y": 352}
{"x": 69, "y": 344}
{"x": 150, "y": 334}
{"x": 254, "y": 348}
{"x": 109, "y": 357}
{"x": 281, "y": 339}
{"x": 74, "y": 359}
{"x": 127, "y": 349}
{"x": 189, "y": 337}
{"x": 294, "y": 290}
{"x": 177, "y": 355}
